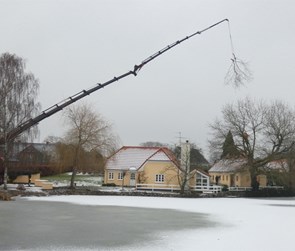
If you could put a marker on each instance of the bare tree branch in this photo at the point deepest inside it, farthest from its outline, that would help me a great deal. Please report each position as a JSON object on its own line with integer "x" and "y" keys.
{"x": 238, "y": 73}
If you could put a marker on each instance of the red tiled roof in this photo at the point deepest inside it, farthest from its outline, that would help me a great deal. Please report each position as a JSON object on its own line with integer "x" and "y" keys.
{"x": 136, "y": 156}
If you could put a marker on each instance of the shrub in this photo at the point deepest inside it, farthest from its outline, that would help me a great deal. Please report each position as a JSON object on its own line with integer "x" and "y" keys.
{"x": 109, "y": 185}
{"x": 224, "y": 188}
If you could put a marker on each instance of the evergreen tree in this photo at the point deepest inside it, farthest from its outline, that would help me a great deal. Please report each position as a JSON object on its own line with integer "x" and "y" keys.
{"x": 229, "y": 149}
{"x": 197, "y": 160}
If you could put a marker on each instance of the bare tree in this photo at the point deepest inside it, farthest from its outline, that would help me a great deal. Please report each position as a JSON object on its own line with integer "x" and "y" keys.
{"x": 153, "y": 144}
{"x": 18, "y": 92}
{"x": 238, "y": 73}
{"x": 288, "y": 176}
{"x": 189, "y": 158}
{"x": 262, "y": 132}
{"x": 184, "y": 175}
{"x": 88, "y": 131}
{"x": 183, "y": 169}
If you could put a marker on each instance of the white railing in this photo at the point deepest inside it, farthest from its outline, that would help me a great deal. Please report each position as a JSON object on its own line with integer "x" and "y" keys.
{"x": 207, "y": 189}
{"x": 239, "y": 189}
{"x": 203, "y": 189}
{"x": 172, "y": 188}
{"x": 272, "y": 187}
{"x": 157, "y": 187}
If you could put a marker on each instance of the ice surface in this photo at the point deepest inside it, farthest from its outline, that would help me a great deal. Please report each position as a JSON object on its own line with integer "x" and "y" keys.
{"x": 243, "y": 224}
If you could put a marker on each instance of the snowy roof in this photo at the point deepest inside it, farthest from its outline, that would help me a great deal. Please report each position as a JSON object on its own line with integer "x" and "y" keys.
{"x": 43, "y": 147}
{"x": 228, "y": 165}
{"x": 279, "y": 165}
{"x": 202, "y": 172}
{"x": 19, "y": 147}
{"x": 135, "y": 157}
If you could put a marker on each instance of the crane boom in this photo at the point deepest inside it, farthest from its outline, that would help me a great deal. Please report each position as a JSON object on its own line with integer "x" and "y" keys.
{"x": 59, "y": 106}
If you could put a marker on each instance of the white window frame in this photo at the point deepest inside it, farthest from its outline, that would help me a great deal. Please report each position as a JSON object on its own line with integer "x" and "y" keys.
{"x": 120, "y": 176}
{"x": 202, "y": 180}
{"x": 111, "y": 175}
{"x": 160, "y": 178}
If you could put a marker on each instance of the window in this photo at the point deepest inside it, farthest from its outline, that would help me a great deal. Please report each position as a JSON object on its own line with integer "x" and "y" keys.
{"x": 201, "y": 180}
{"x": 159, "y": 177}
{"x": 237, "y": 178}
{"x": 132, "y": 176}
{"x": 111, "y": 175}
{"x": 120, "y": 176}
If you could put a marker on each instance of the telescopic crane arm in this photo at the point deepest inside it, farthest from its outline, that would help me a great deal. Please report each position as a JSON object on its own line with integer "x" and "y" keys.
{"x": 72, "y": 99}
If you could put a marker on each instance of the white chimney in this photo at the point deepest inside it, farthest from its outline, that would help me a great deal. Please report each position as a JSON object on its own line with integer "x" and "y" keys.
{"x": 185, "y": 153}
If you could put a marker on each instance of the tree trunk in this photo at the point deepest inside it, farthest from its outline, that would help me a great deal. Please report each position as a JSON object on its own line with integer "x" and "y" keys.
{"x": 254, "y": 182}
{"x": 182, "y": 188}
{"x": 74, "y": 172}
{"x": 5, "y": 176}
{"x": 5, "y": 164}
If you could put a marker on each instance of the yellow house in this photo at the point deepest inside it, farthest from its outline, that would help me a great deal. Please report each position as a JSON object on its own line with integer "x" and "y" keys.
{"x": 134, "y": 165}
{"x": 150, "y": 168}
{"x": 233, "y": 173}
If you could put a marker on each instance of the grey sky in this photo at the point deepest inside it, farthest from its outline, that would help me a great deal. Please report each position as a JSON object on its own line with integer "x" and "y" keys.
{"x": 72, "y": 45}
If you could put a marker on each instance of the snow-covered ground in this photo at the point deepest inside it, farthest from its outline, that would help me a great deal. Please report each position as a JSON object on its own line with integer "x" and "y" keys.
{"x": 242, "y": 224}
{"x": 82, "y": 179}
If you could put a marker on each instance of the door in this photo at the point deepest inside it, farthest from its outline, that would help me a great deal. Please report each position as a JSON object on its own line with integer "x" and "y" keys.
{"x": 132, "y": 179}
{"x": 232, "y": 182}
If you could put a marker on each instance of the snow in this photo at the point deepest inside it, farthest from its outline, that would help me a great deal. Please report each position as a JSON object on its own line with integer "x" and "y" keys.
{"x": 242, "y": 224}
{"x": 135, "y": 156}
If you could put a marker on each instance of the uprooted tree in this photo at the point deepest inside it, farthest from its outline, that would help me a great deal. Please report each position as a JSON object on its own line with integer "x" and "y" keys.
{"x": 18, "y": 93}
{"x": 262, "y": 132}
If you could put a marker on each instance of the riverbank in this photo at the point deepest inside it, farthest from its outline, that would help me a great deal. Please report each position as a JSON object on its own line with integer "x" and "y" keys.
{"x": 28, "y": 191}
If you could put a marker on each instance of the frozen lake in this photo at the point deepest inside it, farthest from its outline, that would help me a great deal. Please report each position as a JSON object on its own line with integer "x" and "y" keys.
{"x": 146, "y": 223}
{"x": 37, "y": 225}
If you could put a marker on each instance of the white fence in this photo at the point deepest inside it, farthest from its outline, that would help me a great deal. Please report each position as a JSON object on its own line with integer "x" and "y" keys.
{"x": 203, "y": 189}
{"x": 207, "y": 189}
{"x": 174, "y": 188}
{"x": 239, "y": 189}
{"x": 272, "y": 187}
{"x": 157, "y": 187}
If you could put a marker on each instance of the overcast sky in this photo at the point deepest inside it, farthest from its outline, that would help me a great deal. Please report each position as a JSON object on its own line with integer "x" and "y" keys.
{"x": 71, "y": 45}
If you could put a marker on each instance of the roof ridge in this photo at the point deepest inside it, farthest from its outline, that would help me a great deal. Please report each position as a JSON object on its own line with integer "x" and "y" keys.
{"x": 143, "y": 147}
